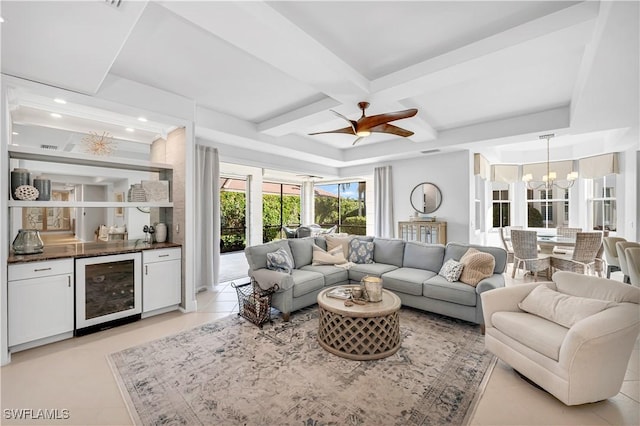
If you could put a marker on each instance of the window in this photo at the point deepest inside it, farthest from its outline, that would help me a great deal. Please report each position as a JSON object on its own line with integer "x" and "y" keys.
{"x": 501, "y": 205}
{"x": 547, "y": 208}
{"x": 342, "y": 204}
{"x": 603, "y": 202}
{"x": 280, "y": 207}
{"x": 233, "y": 202}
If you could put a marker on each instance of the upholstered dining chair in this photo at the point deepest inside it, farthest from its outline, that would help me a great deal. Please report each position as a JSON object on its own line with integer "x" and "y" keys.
{"x": 583, "y": 259}
{"x": 621, "y": 246}
{"x": 525, "y": 253}
{"x": 611, "y": 254}
{"x": 632, "y": 257}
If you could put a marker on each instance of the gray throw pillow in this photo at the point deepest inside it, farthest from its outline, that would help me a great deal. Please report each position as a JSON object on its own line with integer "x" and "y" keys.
{"x": 360, "y": 251}
{"x": 280, "y": 261}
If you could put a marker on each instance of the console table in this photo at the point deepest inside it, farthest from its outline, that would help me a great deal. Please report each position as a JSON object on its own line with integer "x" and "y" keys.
{"x": 423, "y": 231}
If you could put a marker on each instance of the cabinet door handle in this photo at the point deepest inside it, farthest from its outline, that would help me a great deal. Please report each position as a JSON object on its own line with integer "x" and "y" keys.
{"x": 69, "y": 280}
{"x": 163, "y": 255}
{"x": 42, "y": 269}
{"x": 146, "y": 269}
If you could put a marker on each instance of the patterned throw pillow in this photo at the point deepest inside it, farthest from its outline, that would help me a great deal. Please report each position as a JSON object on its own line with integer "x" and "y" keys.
{"x": 361, "y": 251}
{"x": 451, "y": 270}
{"x": 280, "y": 261}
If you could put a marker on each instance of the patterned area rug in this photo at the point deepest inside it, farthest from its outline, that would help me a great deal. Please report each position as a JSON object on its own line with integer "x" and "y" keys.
{"x": 230, "y": 372}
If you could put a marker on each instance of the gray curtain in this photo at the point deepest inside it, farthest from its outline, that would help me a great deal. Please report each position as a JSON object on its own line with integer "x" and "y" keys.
{"x": 207, "y": 230}
{"x": 383, "y": 202}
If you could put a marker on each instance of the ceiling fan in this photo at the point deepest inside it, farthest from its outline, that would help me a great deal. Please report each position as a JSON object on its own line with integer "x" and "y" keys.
{"x": 375, "y": 123}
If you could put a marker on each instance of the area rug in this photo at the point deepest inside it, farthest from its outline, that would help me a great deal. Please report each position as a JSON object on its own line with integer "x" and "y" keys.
{"x": 230, "y": 372}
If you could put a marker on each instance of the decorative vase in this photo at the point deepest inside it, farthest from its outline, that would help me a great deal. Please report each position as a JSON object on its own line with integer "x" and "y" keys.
{"x": 28, "y": 241}
{"x": 44, "y": 188}
{"x": 19, "y": 177}
{"x": 161, "y": 233}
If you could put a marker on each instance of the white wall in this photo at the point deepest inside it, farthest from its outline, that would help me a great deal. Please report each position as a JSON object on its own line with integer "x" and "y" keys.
{"x": 452, "y": 173}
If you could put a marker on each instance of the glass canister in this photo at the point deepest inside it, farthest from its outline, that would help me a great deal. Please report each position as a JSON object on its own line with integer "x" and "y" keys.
{"x": 44, "y": 188}
{"x": 28, "y": 241}
{"x": 372, "y": 288}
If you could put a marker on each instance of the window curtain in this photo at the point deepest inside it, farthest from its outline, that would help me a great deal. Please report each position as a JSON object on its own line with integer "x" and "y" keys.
{"x": 207, "y": 227}
{"x": 504, "y": 173}
{"x": 383, "y": 202}
{"x": 598, "y": 166}
{"x": 481, "y": 166}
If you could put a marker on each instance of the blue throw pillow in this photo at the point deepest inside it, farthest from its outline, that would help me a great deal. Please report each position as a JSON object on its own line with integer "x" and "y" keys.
{"x": 280, "y": 261}
{"x": 360, "y": 251}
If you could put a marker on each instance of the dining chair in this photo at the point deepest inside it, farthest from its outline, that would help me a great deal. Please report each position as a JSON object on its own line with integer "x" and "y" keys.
{"x": 565, "y": 232}
{"x": 632, "y": 257}
{"x": 303, "y": 231}
{"x": 611, "y": 254}
{"x": 584, "y": 254}
{"x": 289, "y": 232}
{"x": 621, "y": 246}
{"x": 506, "y": 244}
{"x": 525, "y": 254}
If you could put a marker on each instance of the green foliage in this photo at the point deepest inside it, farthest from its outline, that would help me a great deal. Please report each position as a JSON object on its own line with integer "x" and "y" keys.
{"x": 534, "y": 217}
{"x": 356, "y": 225}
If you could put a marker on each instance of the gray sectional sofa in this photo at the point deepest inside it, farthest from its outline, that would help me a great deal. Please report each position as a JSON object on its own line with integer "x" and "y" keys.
{"x": 409, "y": 269}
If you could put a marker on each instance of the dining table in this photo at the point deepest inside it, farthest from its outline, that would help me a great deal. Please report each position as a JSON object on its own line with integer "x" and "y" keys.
{"x": 548, "y": 242}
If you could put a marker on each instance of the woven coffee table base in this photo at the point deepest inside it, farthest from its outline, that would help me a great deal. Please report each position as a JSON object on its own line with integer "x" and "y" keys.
{"x": 359, "y": 338}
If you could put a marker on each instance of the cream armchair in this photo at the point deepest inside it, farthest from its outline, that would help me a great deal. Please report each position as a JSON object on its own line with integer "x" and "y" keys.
{"x": 582, "y": 363}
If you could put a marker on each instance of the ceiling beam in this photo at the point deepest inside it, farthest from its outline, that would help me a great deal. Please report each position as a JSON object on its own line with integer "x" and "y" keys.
{"x": 301, "y": 118}
{"x": 455, "y": 64}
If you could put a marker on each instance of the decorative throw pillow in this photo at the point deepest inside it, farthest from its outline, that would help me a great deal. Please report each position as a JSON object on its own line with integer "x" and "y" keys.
{"x": 451, "y": 270}
{"x": 334, "y": 241}
{"x": 280, "y": 261}
{"x": 361, "y": 251}
{"x": 331, "y": 257}
{"x": 561, "y": 308}
{"x": 477, "y": 266}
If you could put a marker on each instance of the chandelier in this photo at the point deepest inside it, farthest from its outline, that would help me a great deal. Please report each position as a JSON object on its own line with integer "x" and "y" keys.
{"x": 549, "y": 180}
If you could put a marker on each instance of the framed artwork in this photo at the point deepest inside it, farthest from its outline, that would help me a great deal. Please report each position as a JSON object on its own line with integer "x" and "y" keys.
{"x": 119, "y": 198}
{"x": 49, "y": 218}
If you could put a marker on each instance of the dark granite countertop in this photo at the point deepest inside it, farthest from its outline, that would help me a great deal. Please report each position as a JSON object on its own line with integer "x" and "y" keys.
{"x": 78, "y": 250}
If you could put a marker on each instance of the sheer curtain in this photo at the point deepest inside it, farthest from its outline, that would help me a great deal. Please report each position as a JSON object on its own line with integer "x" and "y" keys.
{"x": 207, "y": 229}
{"x": 383, "y": 202}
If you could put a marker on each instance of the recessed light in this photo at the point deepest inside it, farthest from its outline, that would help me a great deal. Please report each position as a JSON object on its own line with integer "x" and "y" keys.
{"x": 129, "y": 129}
{"x": 59, "y": 101}
{"x": 55, "y": 115}
{"x": 144, "y": 120}
{"x": 15, "y": 133}
{"x": 1, "y": 19}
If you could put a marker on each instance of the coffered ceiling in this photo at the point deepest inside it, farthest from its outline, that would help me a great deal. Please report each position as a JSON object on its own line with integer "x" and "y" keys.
{"x": 263, "y": 75}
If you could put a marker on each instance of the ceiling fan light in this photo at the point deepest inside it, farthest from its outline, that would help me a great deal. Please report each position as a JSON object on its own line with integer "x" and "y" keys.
{"x": 363, "y": 133}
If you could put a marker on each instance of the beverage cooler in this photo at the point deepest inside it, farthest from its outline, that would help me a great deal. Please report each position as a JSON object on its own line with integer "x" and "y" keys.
{"x": 108, "y": 291}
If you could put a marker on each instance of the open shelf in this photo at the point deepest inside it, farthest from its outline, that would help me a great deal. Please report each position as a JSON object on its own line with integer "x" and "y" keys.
{"x": 87, "y": 204}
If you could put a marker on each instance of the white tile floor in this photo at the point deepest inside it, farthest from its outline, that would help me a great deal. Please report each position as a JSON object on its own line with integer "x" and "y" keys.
{"x": 74, "y": 375}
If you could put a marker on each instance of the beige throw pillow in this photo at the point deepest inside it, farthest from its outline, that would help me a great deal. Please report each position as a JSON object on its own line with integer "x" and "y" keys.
{"x": 561, "y": 308}
{"x": 334, "y": 241}
{"x": 331, "y": 257}
{"x": 477, "y": 266}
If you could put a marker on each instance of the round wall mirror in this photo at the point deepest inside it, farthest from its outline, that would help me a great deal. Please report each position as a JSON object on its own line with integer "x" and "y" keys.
{"x": 426, "y": 198}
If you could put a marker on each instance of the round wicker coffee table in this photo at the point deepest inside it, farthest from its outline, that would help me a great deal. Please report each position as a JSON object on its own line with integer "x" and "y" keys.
{"x": 359, "y": 332}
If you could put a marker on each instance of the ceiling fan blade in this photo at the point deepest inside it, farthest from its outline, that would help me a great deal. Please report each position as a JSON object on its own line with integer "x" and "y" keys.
{"x": 390, "y": 128}
{"x": 358, "y": 139}
{"x": 366, "y": 123}
{"x": 353, "y": 123}
{"x": 348, "y": 130}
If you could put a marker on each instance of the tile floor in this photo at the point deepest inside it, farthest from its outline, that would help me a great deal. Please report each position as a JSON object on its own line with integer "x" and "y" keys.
{"x": 74, "y": 375}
